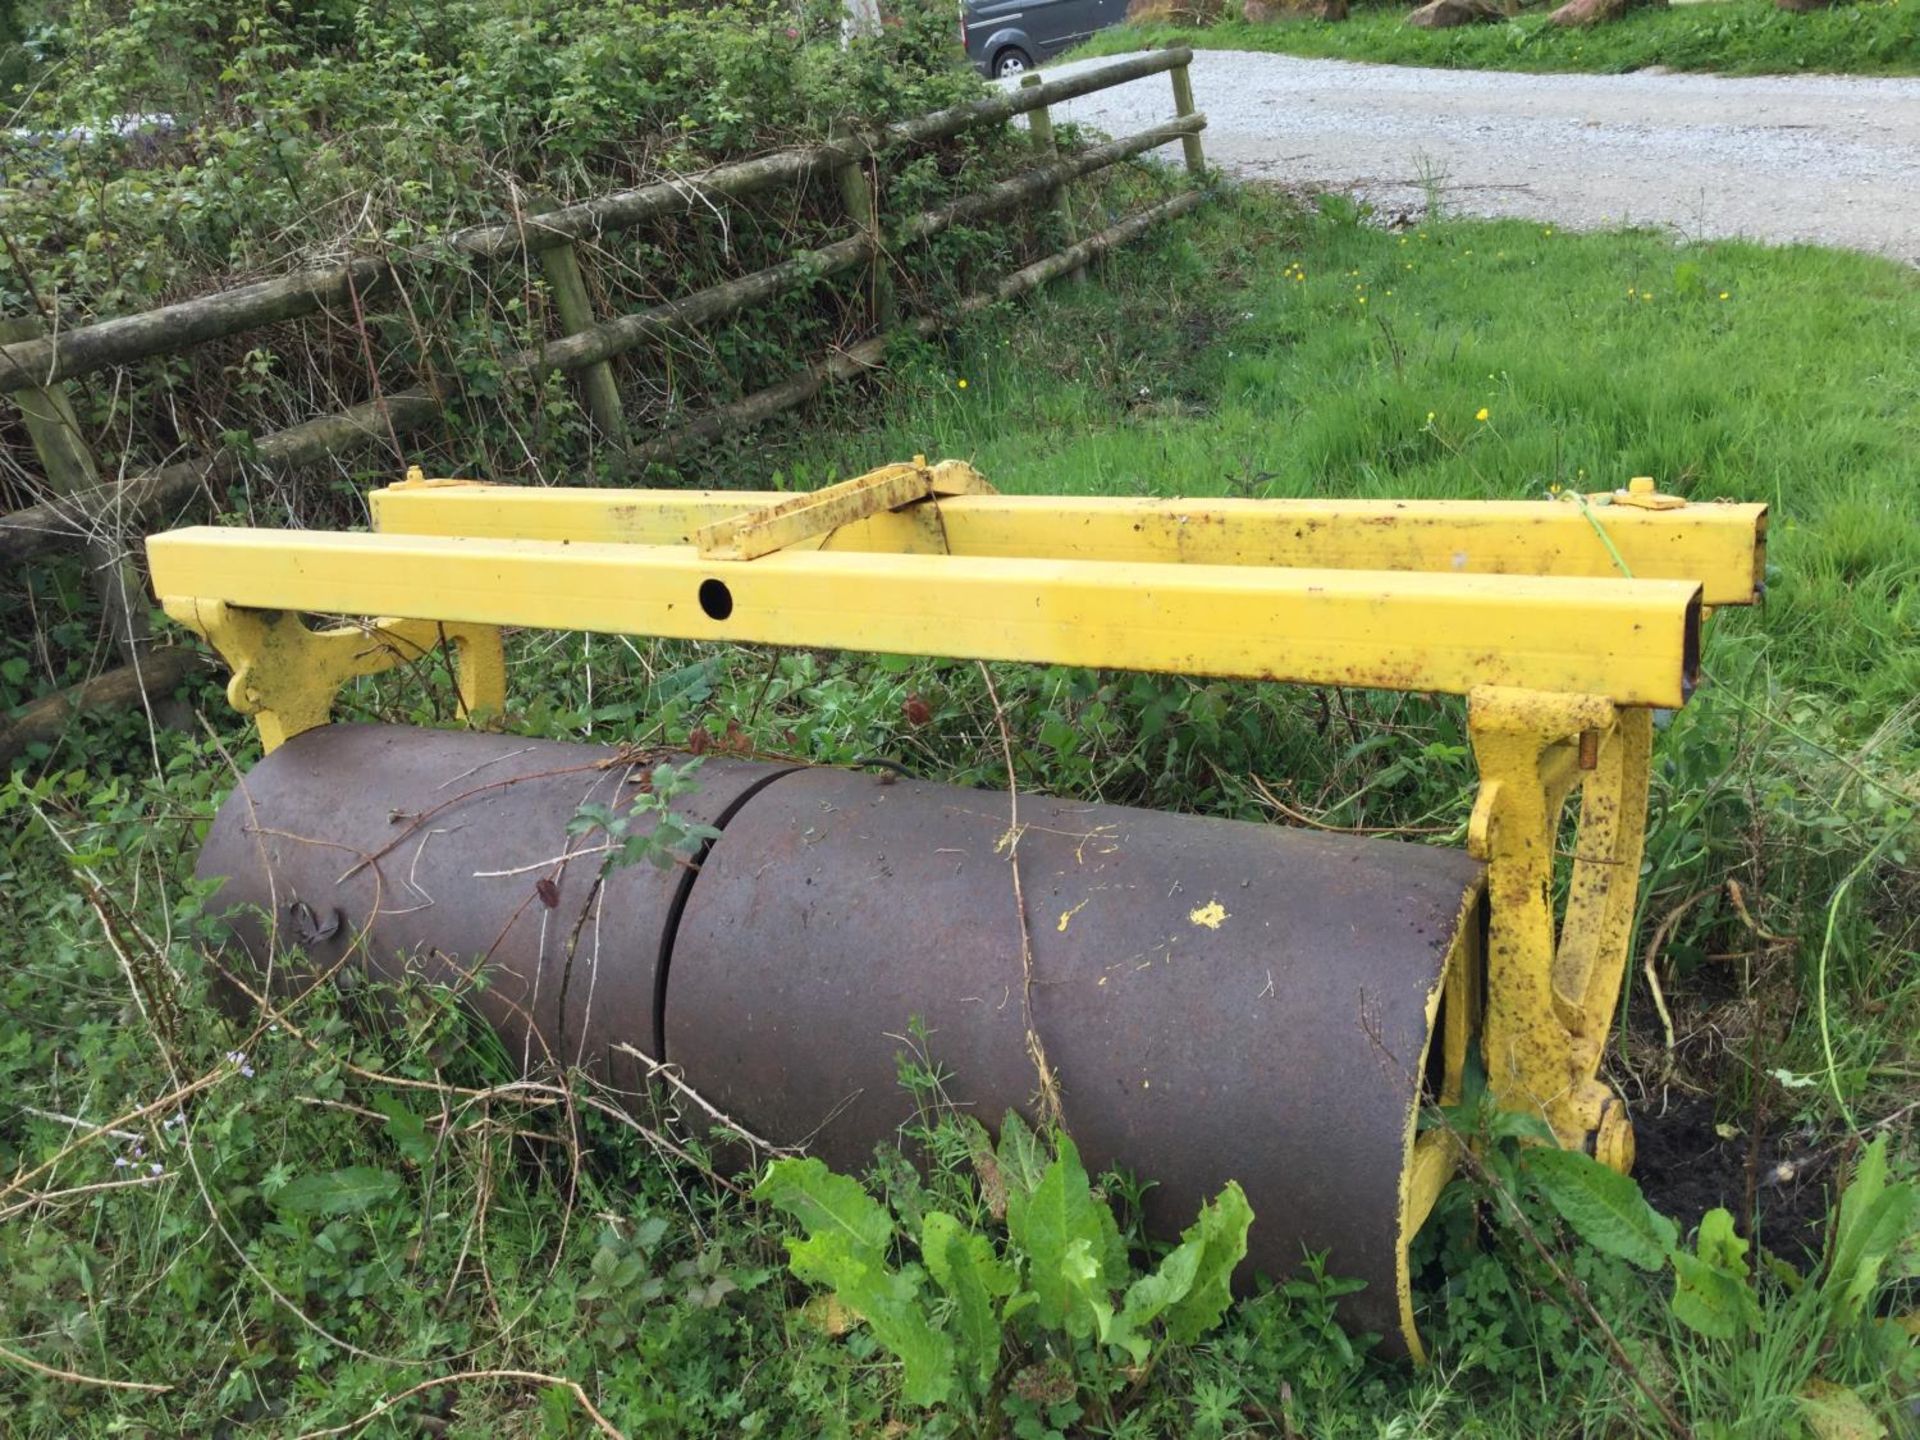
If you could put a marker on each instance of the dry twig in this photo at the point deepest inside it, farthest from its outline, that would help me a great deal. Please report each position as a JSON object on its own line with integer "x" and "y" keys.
{"x": 1036, "y": 1048}
{"x": 607, "y": 1427}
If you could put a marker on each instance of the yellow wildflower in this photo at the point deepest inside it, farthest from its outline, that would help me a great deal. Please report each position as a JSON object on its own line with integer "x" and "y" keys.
{"x": 961, "y": 383}
{"x": 1482, "y": 414}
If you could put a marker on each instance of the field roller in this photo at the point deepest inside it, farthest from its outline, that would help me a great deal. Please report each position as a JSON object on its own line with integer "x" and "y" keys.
{"x": 1214, "y": 999}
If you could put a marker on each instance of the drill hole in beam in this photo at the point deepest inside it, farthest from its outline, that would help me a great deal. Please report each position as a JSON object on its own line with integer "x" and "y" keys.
{"x": 716, "y": 600}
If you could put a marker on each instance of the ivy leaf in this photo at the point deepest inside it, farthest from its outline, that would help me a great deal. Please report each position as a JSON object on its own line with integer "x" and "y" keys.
{"x": 963, "y": 1265}
{"x": 338, "y": 1192}
{"x": 1221, "y": 1234}
{"x": 825, "y": 1203}
{"x": 1604, "y": 1207}
{"x": 888, "y": 1300}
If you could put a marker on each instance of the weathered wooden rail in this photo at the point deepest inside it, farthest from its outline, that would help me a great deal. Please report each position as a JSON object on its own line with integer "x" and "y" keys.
{"x": 83, "y": 509}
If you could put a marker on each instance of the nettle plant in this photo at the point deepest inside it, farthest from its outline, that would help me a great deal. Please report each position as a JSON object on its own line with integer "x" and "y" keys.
{"x": 1040, "y": 1324}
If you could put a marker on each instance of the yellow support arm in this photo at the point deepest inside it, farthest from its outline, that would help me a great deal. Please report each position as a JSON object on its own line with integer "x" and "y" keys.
{"x": 1720, "y": 547}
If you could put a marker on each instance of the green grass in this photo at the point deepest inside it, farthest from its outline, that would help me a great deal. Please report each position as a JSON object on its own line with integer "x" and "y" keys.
{"x": 1730, "y": 37}
{"x": 1230, "y": 356}
{"x": 1723, "y": 370}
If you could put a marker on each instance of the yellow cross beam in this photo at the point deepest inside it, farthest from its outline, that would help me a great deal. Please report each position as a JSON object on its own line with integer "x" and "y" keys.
{"x": 1634, "y": 642}
{"x": 1720, "y": 547}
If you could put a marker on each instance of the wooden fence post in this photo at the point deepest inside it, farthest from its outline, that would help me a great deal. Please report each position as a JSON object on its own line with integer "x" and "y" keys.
{"x": 574, "y": 306}
{"x": 857, "y": 194}
{"x": 1040, "y": 127}
{"x": 1183, "y": 107}
{"x": 70, "y": 471}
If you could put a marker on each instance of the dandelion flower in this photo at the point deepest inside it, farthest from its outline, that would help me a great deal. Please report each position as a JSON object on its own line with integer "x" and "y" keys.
{"x": 961, "y": 383}
{"x": 1429, "y": 417}
{"x": 1724, "y": 295}
{"x": 1481, "y": 414}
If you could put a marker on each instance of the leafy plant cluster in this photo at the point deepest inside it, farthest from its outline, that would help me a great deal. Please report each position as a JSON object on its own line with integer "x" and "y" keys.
{"x": 649, "y": 830}
{"x": 168, "y": 148}
{"x": 1792, "y": 1350}
{"x": 1039, "y": 1327}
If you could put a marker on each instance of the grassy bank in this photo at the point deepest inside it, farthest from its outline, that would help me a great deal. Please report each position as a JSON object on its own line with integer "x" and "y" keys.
{"x": 1256, "y": 351}
{"x": 1728, "y": 37}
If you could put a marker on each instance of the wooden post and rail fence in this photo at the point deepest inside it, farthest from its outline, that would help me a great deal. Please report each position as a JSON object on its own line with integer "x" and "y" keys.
{"x": 103, "y": 517}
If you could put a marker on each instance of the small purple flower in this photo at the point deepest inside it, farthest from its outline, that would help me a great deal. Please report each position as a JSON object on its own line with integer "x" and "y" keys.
{"x": 238, "y": 1058}
{"x": 120, "y": 1162}
{"x": 157, "y": 1168}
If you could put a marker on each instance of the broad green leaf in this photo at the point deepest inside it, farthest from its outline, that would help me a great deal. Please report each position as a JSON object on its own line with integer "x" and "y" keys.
{"x": 1604, "y": 1207}
{"x": 1833, "y": 1412}
{"x": 1023, "y": 1160}
{"x": 338, "y": 1192}
{"x": 1876, "y": 1220}
{"x": 963, "y": 1265}
{"x": 1045, "y": 1224}
{"x": 1221, "y": 1234}
{"x": 1149, "y": 1296}
{"x": 826, "y": 1203}
{"x": 888, "y": 1300}
{"x": 1720, "y": 1245}
{"x": 406, "y": 1129}
{"x": 1090, "y": 1311}
{"x": 1710, "y": 1290}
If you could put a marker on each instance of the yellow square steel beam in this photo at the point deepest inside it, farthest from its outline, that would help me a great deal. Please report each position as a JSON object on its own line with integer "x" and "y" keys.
{"x": 1634, "y": 642}
{"x": 1722, "y": 547}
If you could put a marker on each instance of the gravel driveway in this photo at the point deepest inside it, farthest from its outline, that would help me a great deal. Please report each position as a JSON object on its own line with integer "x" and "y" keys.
{"x": 1803, "y": 157}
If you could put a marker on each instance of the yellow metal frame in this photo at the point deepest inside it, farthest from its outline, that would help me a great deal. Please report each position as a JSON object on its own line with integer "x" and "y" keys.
{"x": 1562, "y": 625}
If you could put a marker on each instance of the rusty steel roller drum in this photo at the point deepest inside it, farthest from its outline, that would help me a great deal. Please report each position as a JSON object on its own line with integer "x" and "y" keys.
{"x": 1220, "y": 1000}
{"x": 439, "y": 852}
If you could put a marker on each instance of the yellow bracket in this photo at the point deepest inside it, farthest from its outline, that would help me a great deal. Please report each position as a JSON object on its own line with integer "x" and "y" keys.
{"x": 1550, "y": 1007}
{"x": 286, "y": 675}
{"x": 767, "y": 528}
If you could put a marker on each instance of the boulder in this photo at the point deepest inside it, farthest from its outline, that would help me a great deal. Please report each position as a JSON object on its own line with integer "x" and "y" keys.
{"x": 1598, "y": 12}
{"x": 1262, "y": 12}
{"x": 1175, "y": 12}
{"x": 1446, "y": 14}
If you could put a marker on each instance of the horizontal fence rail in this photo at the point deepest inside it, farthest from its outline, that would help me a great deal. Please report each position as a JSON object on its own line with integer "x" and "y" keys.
{"x": 84, "y": 509}
{"x": 171, "y": 328}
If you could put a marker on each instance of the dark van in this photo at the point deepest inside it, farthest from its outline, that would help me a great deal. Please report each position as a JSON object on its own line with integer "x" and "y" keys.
{"x": 1008, "y": 37}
